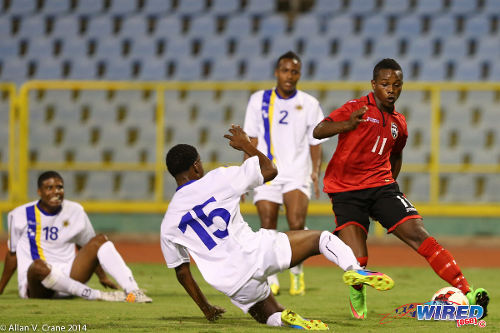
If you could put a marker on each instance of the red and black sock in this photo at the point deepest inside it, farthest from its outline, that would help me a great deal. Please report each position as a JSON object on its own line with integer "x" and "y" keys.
{"x": 443, "y": 263}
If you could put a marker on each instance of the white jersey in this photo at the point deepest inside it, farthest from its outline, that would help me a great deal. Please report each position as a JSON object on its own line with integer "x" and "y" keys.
{"x": 204, "y": 220}
{"x": 34, "y": 234}
{"x": 284, "y": 129}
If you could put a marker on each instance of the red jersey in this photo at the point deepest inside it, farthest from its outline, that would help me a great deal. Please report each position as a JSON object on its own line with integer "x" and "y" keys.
{"x": 361, "y": 159}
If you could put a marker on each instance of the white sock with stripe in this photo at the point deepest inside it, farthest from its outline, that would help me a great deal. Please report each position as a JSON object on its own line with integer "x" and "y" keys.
{"x": 57, "y": 281}
{"x": 335, "y": 250}
{"x": 274, "y": 319}
{"x": 113, "y": 264}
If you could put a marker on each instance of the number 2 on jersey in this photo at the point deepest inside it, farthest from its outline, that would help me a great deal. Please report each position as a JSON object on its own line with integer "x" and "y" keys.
{"x": 188, "y": 220}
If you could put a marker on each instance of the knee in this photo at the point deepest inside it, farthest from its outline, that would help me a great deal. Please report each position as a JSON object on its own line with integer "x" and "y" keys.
{"x": 39, "y": 269}
{"x": 297, "y": 222}
{"x": 97, "y": 241}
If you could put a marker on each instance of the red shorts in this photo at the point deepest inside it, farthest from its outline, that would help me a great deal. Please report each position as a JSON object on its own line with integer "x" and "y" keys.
{"x": 386, "y": 204}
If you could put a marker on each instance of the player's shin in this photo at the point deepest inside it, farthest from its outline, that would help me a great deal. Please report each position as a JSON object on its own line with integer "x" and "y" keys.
{"x": 57, "y": 281}
{"x": 113, "y": 264}
{"x": 337, "y": 251}
{"x": 443, "y": 263}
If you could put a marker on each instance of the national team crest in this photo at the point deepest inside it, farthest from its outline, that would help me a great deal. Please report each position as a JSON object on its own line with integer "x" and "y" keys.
{"x": 394, "y": 131}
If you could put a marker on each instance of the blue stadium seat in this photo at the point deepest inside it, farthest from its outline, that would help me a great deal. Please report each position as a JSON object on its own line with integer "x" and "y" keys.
{"x": 134, "y": 27}
{"x": 454, "y": 47}
{"x": 224, "y": 7}
{"x": 135, "y": 185}
{"x": 361, "y": 70}
{"x": 259, "y": 7}
{"x": 48, "y": 69}
{"x": 156, "y": 7}
{"x": 32, "y": 27}
{"x": 66, "y": 27}
{"x": 491, "y": 186}
{"x": 352, "y": 48}
{"x": 272, "y": 25}
{"x": 461, "y": 188}
{"x": 494, "y": 74}
{"x": 122, "y": 7}
{"x": 22, "y": 7}
{"x": 362, "y": 7}
{"x": 168, "y": 26}
{"x": 117, "y": 69}
{"x": 429, "y": 7}
{"x": 387, "y": 47}
{"x": 238, "y": 26}
{"x": 477, "y": 26}
{"x": 108, "y": 47}
{"x": 408, "y": 26}
{"x": 342, "y": 25}
{"x": 374, "y": 26}
{"x": 178, "y": 47}
{"x": 327, "y": 7}
{"x": 491, "y": 6}
{"x": 186, "y": 69}
{"x": 421, "y": 47}
{"x": 282, "y": 44}
{"x": 98, "y": 186}
{"x": 203, "y": 26}
{"x": 39, "y": 48}
{"x": 74, "y": 48}
{"x": 259, "y": 69}
{"x": 90, "y": 7}
{"x": 443, "y": 26}
{"x": 99, "y": 26}
{"x": 306, "y": 26}
{"x": 317, "y": 47}
{"x": 432, "y": 70}
{"x": 396, "y": 7}
{"x": 214, "y": 48}
{"x": 144, "y": 47}
{"x": 250, "y": 46}
{"x": 153, "y": 69}
{"x": 56, "y": 7}
{"x": 189, "y": 7}
{"x": 81, "y": 69}
{"x": 488, "y": 49}
{"x": 225, "y": 68}
{"x": 9, "y": 48}
{"x": 420, "y": 187}
{"x": 15, "y": 70}
{"x": 470, "y": 70}
{"x": 5, "y": 27}
{"x": 463, "y": 7}
{"x": 327, "y": 69}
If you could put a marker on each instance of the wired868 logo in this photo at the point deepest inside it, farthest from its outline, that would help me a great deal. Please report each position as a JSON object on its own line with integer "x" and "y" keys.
{"x": 463, "y": 314}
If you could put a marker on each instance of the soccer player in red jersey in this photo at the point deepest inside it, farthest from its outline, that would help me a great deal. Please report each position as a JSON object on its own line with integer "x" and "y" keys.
{"x": 361, "y": 181}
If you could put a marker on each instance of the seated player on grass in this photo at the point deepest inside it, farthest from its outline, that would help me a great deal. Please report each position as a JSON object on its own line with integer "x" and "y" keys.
{"x": 41, "y": 246}
{"x": 203, "y": 220}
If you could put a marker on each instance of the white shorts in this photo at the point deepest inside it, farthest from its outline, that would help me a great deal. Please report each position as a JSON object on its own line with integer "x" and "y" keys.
{"x": 274, "y": 192}
{"x": 274, "y": 256}
{"x": 23, "y": 282}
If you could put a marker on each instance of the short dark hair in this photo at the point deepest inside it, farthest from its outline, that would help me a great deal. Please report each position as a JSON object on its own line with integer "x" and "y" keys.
{"x": 288, "y": 55}
{"x": 180, "y": 158}
{"x": 47, "y": 175}
{"x": 386, "y": 63}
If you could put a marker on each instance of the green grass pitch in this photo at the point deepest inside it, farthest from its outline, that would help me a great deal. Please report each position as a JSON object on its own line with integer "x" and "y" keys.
{"x": 173, "y": 311}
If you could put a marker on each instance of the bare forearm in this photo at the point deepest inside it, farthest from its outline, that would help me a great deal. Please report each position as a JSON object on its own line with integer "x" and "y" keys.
{"x": 10, "y": 266}
{"x": 326, "y": 129}
{"x": 396, "y": 163}
{"x": 185, "y": 278}
{"x": 267, "y": 166}
{"x": 315, "y": 152}
{"x": 254, "y": 142}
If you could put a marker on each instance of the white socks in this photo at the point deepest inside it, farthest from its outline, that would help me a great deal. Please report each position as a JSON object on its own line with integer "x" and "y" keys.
{"x": 273, "y": 279}
{"x": 113, "y": 264}
{"x": 274, "y": 319}
{"x": 57, "y": 281}
{"x": 297, "y": 269}
{"x": 337, "y": 251}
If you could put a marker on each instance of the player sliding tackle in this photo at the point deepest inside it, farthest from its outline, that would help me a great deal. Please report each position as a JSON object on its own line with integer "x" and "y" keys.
{"x": 204, "y": 220}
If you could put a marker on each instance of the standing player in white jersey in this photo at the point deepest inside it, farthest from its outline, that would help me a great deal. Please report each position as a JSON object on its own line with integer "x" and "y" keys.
{"x": 203, "y": 221}
{"x": 280, "y": 122}
{"x": 41, "y": 246}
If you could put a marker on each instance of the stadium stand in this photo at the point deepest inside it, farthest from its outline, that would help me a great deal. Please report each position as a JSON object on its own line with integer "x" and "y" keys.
{"x": 192, "y": 40}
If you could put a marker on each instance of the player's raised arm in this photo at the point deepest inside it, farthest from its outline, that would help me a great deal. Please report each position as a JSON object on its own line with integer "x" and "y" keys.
{"x": 9, "y": 267}
{"x": 185, "y": 278}
{"x": 326, "y": 129}
{"x": 239, "y": 140}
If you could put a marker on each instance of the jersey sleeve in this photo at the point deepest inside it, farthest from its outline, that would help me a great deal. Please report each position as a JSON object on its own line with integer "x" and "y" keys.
{"x": 341, "y": 114}
{"x": 247, "y": 176}
{"x": 315, "y": 117}
{"x": 174, "y": 254}
{"x": 87, "y": 232}
{"x": 15, "y": 231}
{"x": 252, "y": 117}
